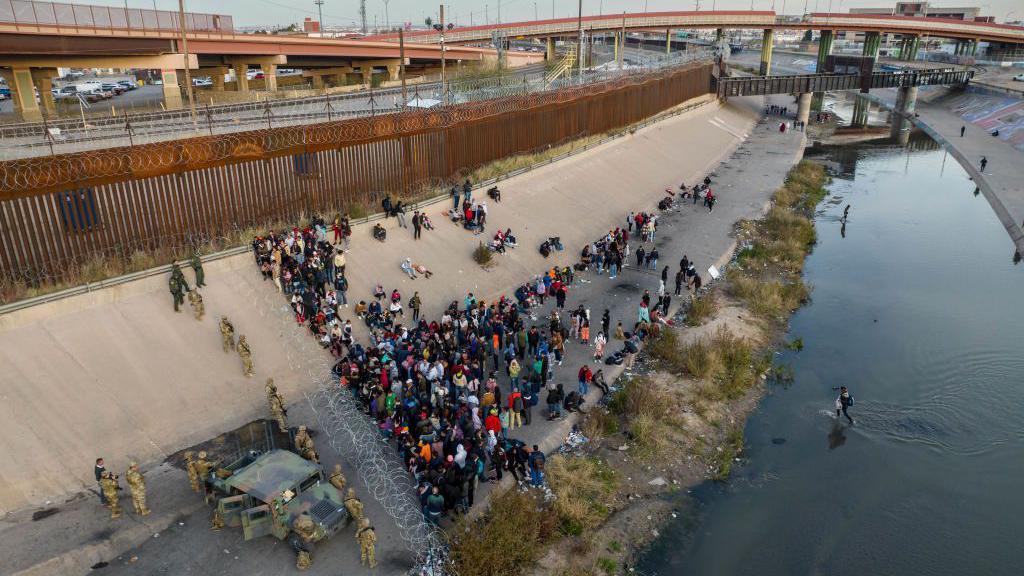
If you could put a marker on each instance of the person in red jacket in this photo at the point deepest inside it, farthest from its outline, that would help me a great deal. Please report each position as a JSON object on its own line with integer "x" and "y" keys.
{"x": 515, "y": 406}
{"x": 492, "y": 422}
{"x": 585, "y": 376}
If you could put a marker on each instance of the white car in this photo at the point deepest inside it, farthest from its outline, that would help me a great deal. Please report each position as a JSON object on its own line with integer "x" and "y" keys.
{"x": 1018, "y": 78}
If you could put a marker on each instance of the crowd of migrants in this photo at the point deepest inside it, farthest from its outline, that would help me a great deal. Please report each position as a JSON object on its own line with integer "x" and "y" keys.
{"x": 450, "y": 393}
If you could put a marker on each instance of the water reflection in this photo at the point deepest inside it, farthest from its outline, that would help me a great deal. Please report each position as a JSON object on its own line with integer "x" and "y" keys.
{"x": 916, "y": 310}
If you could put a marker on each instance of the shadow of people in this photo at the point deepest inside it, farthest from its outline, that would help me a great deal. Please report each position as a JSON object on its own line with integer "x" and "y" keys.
{"x": 836, "y": 436}
{"x": 842, "y": 229}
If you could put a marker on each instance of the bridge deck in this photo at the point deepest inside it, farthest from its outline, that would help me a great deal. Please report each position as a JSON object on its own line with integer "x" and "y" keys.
{"x": 803, "y": 83}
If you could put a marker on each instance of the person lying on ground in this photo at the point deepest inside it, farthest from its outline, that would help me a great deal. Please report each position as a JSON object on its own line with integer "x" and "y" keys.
{"x": 422, "y": 269}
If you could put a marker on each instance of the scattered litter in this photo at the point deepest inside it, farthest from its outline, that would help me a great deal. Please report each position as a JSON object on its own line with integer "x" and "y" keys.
{"x": 181, "y": 523}
{"x": 573, "y": 442}
{"x": 226, "y": 551}
{"x": 655, "y": 532}
{"x": 659, "y": 481}
{"x": 674, "y": 515}
{"x": 623, "y": 448}
{"x": 157, "y": 535}
{"x": 133, "y": 559}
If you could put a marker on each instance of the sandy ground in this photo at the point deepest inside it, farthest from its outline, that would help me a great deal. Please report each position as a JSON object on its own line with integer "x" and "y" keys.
{"x": 154, "y": 382}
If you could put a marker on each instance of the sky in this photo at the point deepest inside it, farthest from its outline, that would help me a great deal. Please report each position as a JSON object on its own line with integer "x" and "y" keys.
{"x": 272, "y": 13}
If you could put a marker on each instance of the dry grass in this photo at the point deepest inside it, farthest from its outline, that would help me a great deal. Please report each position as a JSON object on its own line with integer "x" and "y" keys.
{"x": 768, "y": 279}
{"x": 506, "y": 540}
{"x": 701, "y": 309}
{"x": 647, "y": 412}
{"x": 727, "y": 365}
{"x": 584, "y": 487}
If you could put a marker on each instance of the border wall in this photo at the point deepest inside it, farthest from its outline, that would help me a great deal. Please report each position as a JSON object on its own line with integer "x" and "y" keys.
{"x": 57, "y": 211}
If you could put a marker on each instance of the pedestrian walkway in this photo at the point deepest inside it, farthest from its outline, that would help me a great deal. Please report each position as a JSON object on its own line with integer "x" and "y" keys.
{"x": 1001, "y": 181}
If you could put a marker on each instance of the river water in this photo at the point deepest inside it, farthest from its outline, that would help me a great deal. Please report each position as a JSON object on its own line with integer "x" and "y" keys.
{"x": 917, "y": 310}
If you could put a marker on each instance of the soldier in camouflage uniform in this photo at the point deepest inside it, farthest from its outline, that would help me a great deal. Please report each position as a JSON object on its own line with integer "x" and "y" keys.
{"x": 278, "y": 410}
{"x": 137, "y": 485}
{"x": 190, "y": 467}
{"x": 196, "y": 300}
{"x": 304, "y": 445}
{"x": 108, "y": 483}
{"x": 306, "y": 532}
{"x": 203, "y": 468}
{"x": 338, "y": 479}
{"x": 367, "y": 539}
{"x": 197, "y": 265}
{"x": 227, "y": 334}
{"x": 246, "y": 354}
{"x": 353, "y": 505}
{"x": 174, "y": 285}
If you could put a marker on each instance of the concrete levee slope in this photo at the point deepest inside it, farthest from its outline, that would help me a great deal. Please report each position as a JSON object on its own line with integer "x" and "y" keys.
{"x": 116, "y": 373}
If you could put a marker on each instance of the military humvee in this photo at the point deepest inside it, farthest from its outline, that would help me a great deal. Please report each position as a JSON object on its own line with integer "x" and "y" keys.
{"x": 265, "y": 493}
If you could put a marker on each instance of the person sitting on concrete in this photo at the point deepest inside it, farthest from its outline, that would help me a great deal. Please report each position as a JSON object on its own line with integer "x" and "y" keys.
{"x": 422, "y": 269}
{"x": 379, "y": 233}
{"x": 407, "y": 268}
{"x": 494, "y": 194}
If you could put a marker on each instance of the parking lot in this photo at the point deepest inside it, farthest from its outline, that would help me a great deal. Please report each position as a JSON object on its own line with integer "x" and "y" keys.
{"x": 143, "y": 98}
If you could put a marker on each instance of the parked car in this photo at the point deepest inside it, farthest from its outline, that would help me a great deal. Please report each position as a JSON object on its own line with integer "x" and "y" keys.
{"x": 128, "y": 84}
{"x": 1018, "y": 78}
{"x": 115, "y": 89}
{"x": 200, "y": 82}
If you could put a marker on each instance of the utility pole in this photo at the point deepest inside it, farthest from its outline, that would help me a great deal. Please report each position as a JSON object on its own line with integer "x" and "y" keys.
{"x": 320, "y": 12}
{"x": 387, "y": 21}
{"x": 579, "y": 43}
{"x": 444, "y": 87}
{"x": 401, "y": 65}
{"x": 535, "y": 18}
{"x": 362, "y": 14}
{"x": 188, "y": 74}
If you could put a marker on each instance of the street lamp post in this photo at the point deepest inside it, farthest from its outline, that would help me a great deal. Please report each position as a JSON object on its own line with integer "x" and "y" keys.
{"x": 188, "y": 73}
{"x": 387, "y": 22}
{"x": 320, "y": 12}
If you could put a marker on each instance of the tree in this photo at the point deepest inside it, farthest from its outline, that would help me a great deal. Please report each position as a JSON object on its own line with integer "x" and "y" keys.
{"x": 429, "y": 22}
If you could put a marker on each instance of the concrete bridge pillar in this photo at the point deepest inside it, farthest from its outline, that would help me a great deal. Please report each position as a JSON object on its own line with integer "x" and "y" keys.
{"x": 861, "y": 106}
{"x": 241, "y": 76}
{"x": 913, "y": 44}
{"x": 872, "y": 40}
{"x": 668, "y": 41}
{"x": 43, "y": 80}
{"x": 766, "y": 51}
{"x": 906, "y": 102}
{"x": 367, "y": 72}
{"x": 172, "y": 91}
{"x": 23, "y": 93}
{"x": 974, "y": 46}
{"x": 719, "y": 34}
{"x": 550, "y": 54}
{"x": 269, "y": 76}
{"x": 803, "y": 107}
{"x": 217, "y": 77}
{"x": 394, "y": 72}
{"x": 824, "y": 49}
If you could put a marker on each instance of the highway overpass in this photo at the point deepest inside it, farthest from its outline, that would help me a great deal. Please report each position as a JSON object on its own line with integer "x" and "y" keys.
{"x": 38, "y": 37}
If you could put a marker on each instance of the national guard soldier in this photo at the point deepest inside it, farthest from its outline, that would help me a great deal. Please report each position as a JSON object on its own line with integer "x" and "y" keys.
{"x": 174, "y": 285}
{"x": 338, "y": 479}
{"x": 109, "y": 485}
{"x": 278, "y": 410}
{"x": 305, "y": 531}
{"x": 137, "y": 485}
{"x": 196, "y": 300}
{"x": 227, "y": 334}
{"x": 177, "y": 273}
{"x": 304, "y": 445}
{"x": 197, "y": 265}
{"x": 217, "y": 522}
{"x": 353, "y": 505}
{"x": 367, "y": 539}
{"x": 190, "y": 467}
{"x": 246, "y": 354}
{"x": 203, "y": 468}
